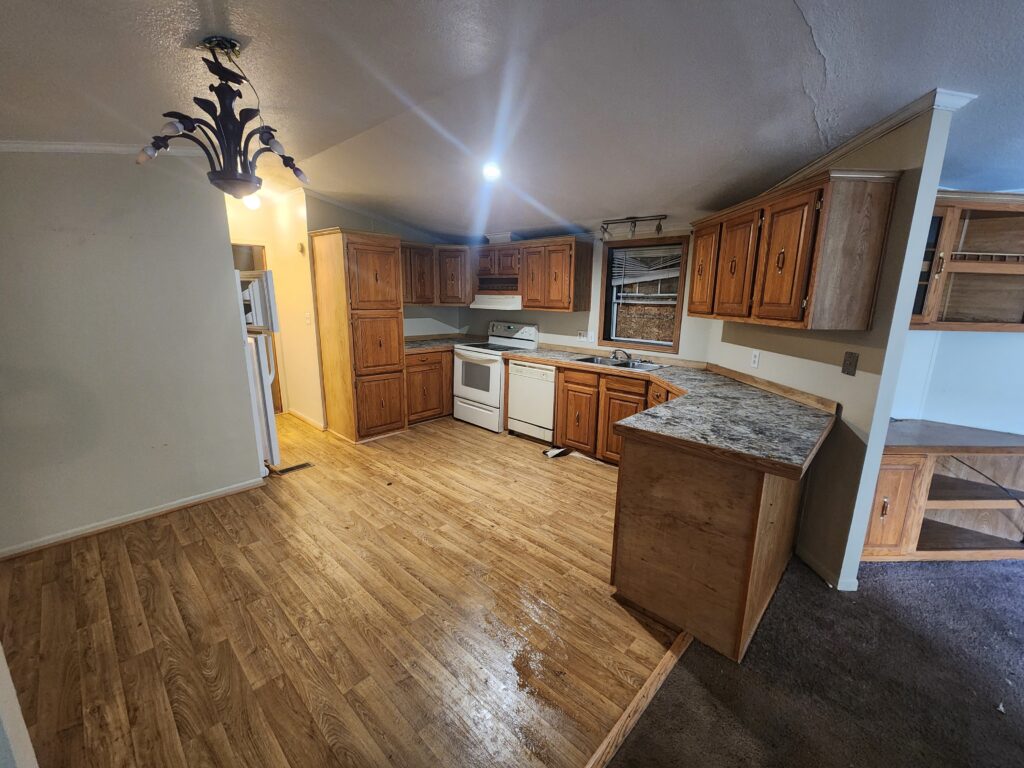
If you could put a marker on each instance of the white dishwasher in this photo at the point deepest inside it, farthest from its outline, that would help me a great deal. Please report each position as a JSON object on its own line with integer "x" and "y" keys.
{"x": 531, "y": 399}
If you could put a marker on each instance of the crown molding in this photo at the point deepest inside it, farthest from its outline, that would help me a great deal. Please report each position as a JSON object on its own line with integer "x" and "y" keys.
{"x": 938, "y": 99}
{"x": 84, "y": 148}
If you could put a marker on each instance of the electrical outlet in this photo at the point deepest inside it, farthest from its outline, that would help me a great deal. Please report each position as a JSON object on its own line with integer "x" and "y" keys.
{"x": 755, "y": 358}
{"x": 850, "y": 360}
{"x": 581, "y": 335}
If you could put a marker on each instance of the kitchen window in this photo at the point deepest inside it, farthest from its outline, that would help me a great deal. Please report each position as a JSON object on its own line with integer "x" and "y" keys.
{"x": 641, "y": 302}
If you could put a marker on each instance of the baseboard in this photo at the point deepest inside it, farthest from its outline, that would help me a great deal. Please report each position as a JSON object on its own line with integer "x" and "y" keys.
{"x": 86, "y": 530}
{"x": 303, "y": 417}
{"x": 631, "y": 714}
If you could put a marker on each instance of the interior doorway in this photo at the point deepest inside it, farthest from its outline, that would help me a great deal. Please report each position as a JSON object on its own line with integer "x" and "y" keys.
{"x": 253, "y": 258}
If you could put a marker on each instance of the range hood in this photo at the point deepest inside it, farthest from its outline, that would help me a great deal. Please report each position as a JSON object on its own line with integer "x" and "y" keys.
{"x": 504, "y": 301}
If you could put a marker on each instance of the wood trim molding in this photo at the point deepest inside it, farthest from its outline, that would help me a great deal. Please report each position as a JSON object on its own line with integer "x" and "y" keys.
{"x": 683, "y": 241}
{"x": 629, "y": 717}
{"x": 804, "y": 398}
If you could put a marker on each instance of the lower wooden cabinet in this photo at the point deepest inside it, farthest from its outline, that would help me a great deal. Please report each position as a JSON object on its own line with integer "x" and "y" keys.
{"x": 895, "y": 512}
{"x": 620, "y": 397}
{"x": 380, "y": 403}
{"x": 576, "y": 405}
{"x": 428, "y": 385}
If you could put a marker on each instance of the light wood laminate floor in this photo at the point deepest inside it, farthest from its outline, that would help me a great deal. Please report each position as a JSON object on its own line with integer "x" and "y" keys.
{"x": 404, "y": 602}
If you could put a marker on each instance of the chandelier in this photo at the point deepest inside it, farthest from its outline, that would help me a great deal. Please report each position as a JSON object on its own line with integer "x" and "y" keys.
{"x": 223, "y": 138}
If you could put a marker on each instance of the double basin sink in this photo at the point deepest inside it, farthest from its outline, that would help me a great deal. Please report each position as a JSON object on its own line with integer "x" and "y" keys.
{"x": 635, "y": 365}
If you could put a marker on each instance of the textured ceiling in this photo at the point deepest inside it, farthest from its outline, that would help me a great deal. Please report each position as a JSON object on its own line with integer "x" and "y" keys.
{"x": 595, "y": 109}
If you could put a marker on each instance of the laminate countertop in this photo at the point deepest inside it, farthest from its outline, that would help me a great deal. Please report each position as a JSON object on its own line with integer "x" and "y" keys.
{"x": 437, "y": 344}
{"x": 727, "y": 417}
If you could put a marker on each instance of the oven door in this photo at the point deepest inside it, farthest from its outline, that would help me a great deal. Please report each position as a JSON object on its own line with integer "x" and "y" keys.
{"x": 478, "y": 377}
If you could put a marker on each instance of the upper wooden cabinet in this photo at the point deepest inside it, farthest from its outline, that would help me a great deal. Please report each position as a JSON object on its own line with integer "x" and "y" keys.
{"x": 419, "y": 276}
{"x": 453, "y": 283}
{"x": 702, "y": 280}
{"x": 358, "y": 293}
{"x": 804, "y": 256}
{"x": 972, "y": 272}
{"x": 555, "y": 274}
{"x": 374, "y": 272}
{"x": 507, "y": 260}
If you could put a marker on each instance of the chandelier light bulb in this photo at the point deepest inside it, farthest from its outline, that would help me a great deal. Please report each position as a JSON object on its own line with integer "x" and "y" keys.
{"x": 276, "y": 147}
{"x": 252, "y": 202}
{"x": 172, "y": 128}
{"x": 492, "y": 171}
{"x": 300, "y": 175}
{"x": 146, "y": 154}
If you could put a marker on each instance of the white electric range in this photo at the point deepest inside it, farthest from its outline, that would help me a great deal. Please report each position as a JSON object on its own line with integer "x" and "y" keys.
{"x": 479, "y": 377}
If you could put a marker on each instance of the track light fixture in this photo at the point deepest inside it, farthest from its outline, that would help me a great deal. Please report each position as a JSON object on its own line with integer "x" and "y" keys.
{"x": 223, "y": 138}
{"x": 607, "y": 224}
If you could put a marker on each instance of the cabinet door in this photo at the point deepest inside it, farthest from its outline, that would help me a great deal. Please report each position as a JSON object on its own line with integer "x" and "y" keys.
{"x": 406, "y": 275}
{"x": 374, "y": 274}
{"x": 508, "y": 261}
{"x": 447, "y": 377}
{"x": 377, "y": 343}
{"x": 890, "y": 530}
{"x": 423, "y": 391}
{"x": 932, "y": 280}
{"x": 452, "y": 282}
{"x": 616, "y": 404}
{"x": 534, "y": 282}
{"x": 734, "y": 273}
{"x": 486, "y": 264}
{"x": 702, "y": 278}
{"x": 379, "y": 404}
{"x": 558, "y": 283}
{"x": 580, "y": 417}
{"x": 784, "y": 262}
{"x": 421, "y": 275}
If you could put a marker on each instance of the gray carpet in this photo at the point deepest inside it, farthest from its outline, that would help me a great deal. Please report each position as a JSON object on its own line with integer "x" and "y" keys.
{"x": 909, "y": 671}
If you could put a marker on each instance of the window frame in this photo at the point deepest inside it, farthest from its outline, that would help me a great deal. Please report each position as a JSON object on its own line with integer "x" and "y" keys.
{"x": 683, "y": 241}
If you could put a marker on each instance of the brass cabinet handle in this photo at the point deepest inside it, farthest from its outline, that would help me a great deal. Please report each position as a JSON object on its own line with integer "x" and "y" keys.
{"x": 732, "y": 267}
{"x": 942, "y": 264}
{"x": 556, "y": 277}
{"x": 424, "y": 391}
{"x": 376, "y": 277}
{"x": 577, "y": 418}
{"x": 885, "y": 508}
{"x": 382, "y": 403}
{"x": 780, "y": 260}
{"x": 700, "y": 268}
{"x": 380, "y": 343}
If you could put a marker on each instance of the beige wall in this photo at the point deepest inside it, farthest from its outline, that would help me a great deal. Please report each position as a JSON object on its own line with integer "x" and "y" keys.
{"x": 279, "y": 225}
{"x": 123, "y": 385}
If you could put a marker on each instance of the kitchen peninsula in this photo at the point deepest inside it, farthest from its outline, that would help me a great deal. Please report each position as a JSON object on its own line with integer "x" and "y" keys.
{"x": 708, "y": 495}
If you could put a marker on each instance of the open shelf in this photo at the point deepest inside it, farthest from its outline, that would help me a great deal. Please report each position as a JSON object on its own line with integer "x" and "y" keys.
{"x": 939, "y": 537}
{"x": 958, "y": 493}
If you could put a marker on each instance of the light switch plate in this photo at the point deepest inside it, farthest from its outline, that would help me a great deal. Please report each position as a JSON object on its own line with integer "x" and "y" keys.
{"x": 850, "y": 360}
{"x": 755, "y": 358}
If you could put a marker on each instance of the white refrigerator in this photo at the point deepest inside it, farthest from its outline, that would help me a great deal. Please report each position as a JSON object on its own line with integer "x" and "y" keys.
{"x": 259, "y": 319}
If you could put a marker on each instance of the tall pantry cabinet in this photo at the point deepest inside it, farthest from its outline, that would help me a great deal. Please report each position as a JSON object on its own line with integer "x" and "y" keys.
{"x": 357, "y": 281}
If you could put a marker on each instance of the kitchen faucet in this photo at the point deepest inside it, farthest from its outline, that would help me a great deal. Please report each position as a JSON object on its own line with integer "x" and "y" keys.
{"x": 615, "y": 352}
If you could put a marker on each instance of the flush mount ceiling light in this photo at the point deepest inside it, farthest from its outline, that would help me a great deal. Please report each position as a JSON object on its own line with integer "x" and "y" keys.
{"x": 491, "y": 171}
{"x": 223, "y": 137}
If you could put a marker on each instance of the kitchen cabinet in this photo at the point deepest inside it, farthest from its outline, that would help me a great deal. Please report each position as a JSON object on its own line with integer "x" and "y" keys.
{"x": 497, "y": 269}
{"x": 888, "y": 529}
{"x": 576, "y": 407}
{"x": 374, "y": 272}
{"x": 802, "y": 256}
{"x": 737, "y": 253}
{"x": 620, "y": 397}
{"x": 419, "y": 276}
{"x": 972, "y": 270}
{"x": 486, "y": 262}
{"x": 380, "y": 406}
{"x": 453, "y": 283}
{"x": 702, "y": 279}
{"x": 507, "y": 259}
{"x": 555, "y": 274}
{"x": 428, "y": 385}
{"x": 377, "y": 342}
{"x": 358, "y": 298}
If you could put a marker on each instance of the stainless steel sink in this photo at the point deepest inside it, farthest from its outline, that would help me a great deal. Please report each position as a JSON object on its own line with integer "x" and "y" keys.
{"x": 598, "y": 360}
{"x": 637, "y": 365}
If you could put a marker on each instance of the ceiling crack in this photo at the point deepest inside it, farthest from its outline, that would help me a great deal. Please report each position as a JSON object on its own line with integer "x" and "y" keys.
{"x": 820, "y": 120}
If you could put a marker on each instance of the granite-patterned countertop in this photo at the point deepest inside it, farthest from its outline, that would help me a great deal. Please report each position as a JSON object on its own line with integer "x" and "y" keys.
{"x": 415, "y": 344}
{"x": 721, "y": 414}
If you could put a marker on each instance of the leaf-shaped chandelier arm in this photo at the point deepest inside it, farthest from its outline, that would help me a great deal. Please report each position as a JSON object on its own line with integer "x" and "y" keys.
{"x": 255, "y": 158}
{"x": 194, "y": 140}
{"x": 252, "y": 134}
{"x": 210, "y": 136}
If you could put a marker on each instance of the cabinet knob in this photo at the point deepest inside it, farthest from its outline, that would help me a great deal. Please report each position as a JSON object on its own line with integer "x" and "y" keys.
{"x": 885, "y": 508}
{"x": 780, "y": 260}
{"x": 376, "y": 277}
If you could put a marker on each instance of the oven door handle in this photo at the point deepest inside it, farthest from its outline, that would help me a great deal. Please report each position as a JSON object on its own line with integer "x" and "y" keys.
{"x": 482, "y": 359}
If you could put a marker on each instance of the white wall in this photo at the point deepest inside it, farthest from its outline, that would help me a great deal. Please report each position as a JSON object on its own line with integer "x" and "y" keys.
{"x": 279, "y": 225}
{"x": 123, "y": 384}
{"x": 963, "y": 378}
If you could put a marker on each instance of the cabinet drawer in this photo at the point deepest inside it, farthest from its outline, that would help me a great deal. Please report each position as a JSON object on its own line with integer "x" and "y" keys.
{"x": 625, "y": 384}
{"x": 656, "y": 395}
{"x": 379, "y": 404}
{"x": 423, "y": 358}
{"x": 580, "y": 377}
{"x": 897, "y": 498}
{"x": 377, "y": 343}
